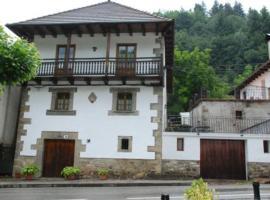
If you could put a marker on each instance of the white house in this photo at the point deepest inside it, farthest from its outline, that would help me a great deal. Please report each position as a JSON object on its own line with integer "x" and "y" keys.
{"x": 99, "y": 98}
{"x": 257, "y": 85}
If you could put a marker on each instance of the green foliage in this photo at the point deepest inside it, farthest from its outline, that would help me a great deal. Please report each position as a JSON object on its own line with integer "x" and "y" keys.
{"x": 241, "y": 77}
{"x": 70, "y": 171}
{"x": 30, "y": 170}
{"x": 19, "y": 60}
{"x": 199, "y": 191}
{"x": 193, "y": 72}
{"x": 103, "y": 171}
{"x": 234, "y": 37}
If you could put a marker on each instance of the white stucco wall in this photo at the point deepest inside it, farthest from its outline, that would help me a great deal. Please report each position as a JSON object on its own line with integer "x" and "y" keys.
{"x": 84, "y": 44}
{"x": 255, "y": 151}
{"x": 92, "y": 122}
{"x": 254, "y": 145}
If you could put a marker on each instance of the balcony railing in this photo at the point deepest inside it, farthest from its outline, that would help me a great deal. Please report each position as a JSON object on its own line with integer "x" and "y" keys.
{"x": 147, "y": 66}
{"x": 218, "y": 125}
{"x": 256, "y": 93}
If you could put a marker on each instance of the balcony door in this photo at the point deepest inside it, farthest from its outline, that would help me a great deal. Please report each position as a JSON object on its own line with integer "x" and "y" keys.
{"x": 63, "y": 67}
{"x": 126, "y": 60}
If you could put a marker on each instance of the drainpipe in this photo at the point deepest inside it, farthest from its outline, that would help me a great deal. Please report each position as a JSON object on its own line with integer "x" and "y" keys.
{"x": 267, "y": 37}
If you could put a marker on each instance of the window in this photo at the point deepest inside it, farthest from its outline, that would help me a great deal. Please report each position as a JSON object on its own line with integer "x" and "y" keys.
{"x": 124, "y": 144}
{"x": 266, "y": 145}
{"x": 180, "y": 144}
{"x": 238, "y": 114}
{"x": 62, "y": 101}
{"x": 61, "y": 52}
{"x": 124, "y": 102}
{"x": 244, "y": 95}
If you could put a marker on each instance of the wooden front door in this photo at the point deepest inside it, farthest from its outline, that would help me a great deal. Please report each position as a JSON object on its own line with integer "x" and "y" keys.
{"x": 57, "y": 155}
{"x": 223, "y": 159}
{"x": 126, "y": 60}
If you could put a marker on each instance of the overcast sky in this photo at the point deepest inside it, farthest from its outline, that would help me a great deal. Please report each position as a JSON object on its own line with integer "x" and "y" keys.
{"x": 18, "y": 10}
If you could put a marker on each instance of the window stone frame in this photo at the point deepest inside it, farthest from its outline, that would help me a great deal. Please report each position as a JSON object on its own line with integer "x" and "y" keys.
{"x": 115, "y": 92}
{"x": 130, "y": 140}
{"x": 54, "y": 92}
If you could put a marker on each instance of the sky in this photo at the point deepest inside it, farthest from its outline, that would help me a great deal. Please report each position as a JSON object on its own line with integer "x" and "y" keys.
{"x": 19, "y": 10}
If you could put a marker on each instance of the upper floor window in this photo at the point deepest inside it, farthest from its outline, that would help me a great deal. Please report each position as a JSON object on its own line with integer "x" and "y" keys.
{"x": 62, "y": 101}
{"x": 126, "y": 51}
{"x": 61, "y": 52}
{"x": 124, "y": 102}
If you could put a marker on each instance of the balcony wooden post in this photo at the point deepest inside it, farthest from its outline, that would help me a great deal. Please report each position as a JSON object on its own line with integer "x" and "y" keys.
{"x": 67, "y": 51}
{"x": 108, "y": 52}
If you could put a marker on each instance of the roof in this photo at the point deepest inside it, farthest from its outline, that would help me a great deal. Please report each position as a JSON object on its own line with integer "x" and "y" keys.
{"x": 105, "y": 12}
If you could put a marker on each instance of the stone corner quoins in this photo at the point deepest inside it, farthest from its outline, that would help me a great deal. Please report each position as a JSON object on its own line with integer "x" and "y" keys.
{"x": 158, "y": 91}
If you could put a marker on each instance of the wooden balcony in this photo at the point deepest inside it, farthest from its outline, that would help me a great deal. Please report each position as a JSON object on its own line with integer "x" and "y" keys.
{"x": 102, "y": 67}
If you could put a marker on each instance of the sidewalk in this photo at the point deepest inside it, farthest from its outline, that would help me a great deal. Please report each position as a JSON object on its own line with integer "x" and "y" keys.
{"x": 219, "y": 185}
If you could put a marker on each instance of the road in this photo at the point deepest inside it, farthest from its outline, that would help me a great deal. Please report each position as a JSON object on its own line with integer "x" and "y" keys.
{"x": 112, "y": 193}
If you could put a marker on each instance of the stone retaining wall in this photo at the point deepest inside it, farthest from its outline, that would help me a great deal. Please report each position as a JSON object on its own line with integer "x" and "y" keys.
{"x": 258, "y": 170}
{"x": 180, "y": 168}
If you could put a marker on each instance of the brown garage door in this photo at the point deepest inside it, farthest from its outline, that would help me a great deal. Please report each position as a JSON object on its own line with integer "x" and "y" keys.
{"x": 223, "y": 159}
{"x": 57, "y": 155}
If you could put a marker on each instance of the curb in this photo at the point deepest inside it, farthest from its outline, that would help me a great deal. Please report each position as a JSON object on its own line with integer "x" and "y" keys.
{"x": 47, "y": 185}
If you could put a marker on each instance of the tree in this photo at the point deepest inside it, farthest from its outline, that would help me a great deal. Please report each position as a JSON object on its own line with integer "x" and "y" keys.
{"x": 193, "y": 72}
{"x": 241, "y": 77}
{"x": 19, "y": 60}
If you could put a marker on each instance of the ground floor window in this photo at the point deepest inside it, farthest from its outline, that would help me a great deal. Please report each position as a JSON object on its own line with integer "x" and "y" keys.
{"x": 124, "y": 144}
{"x": 266, "y": 145}
{"x": 180, "y": 144}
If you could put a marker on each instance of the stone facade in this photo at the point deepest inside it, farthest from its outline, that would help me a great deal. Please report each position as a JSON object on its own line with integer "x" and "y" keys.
{"x": 258, "y": 170}
{"x": 180, "y": 168}
{"x": 120, "y": 168}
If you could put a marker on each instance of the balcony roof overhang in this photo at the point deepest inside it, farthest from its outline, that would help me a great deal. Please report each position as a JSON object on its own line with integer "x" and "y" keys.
{"x": 29, "y": 30}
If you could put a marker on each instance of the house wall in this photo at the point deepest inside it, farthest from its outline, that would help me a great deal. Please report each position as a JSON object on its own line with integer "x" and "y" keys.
{"x": 255, "y": 89}
{"x": 94, "y": 123}
{"x": 9, "y": 108}
{"x": 258, "y": 162}
{"x": 146, "y": 45}
{"x": 227, "y": 108}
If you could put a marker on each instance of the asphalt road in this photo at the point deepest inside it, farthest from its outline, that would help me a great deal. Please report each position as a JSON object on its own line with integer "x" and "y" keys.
{"x": 112, "y": 193}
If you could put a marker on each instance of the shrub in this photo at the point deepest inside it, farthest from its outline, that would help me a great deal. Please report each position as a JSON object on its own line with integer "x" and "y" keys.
{"x": 70, "y": 171}
{"x": 199, "y": 191}
{"x": 31, "y": 169}
{"x": 102, "y": 171}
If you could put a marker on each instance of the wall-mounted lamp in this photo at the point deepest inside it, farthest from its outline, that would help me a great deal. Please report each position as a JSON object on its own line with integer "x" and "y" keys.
{"x": 94, "y": 49}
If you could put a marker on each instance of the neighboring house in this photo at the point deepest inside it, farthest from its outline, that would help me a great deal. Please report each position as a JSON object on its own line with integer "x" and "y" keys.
{"x": 9, "y": 108}
{"x": 99, "y": 98}
{"x": 257, "y": 85}
{"x": 223, "y": 138}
